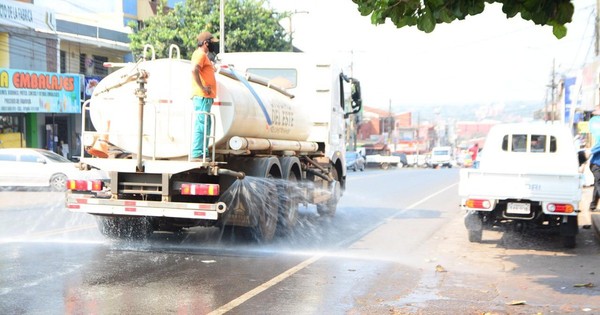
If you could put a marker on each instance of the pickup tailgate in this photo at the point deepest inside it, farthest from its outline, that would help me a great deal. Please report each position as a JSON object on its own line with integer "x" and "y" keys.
{"x": 529, "y": 186}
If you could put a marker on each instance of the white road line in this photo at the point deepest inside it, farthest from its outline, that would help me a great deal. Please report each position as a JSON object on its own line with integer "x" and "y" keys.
{"x": 288, "y": 273}
{"x": 33, "y": 236}
{"x": 252, "y": 293}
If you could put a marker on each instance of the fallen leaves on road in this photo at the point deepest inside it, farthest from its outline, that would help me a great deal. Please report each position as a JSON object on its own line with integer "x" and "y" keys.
{"x": 439, "y": 268}
{"x": 584, "y": 285}
{"x": 517, "y": 303}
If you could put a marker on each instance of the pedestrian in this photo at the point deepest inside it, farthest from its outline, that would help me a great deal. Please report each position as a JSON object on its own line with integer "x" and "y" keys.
{"x": 594, "y": 125}
{"x": 64, "y": 148}
{"x": 474, "y": 150}
{"x": 204, "y": 91}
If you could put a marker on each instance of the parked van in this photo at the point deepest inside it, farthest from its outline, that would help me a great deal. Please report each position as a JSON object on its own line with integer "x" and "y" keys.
{"x": 441, "y": 157}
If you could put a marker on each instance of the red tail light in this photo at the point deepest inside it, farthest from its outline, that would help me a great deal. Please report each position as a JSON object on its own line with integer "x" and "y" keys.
{"x": 200, "y": 189}
{"x": 85, "y": 185}
{"x": 560, "y": 207}
{"x": 478, "y": 203}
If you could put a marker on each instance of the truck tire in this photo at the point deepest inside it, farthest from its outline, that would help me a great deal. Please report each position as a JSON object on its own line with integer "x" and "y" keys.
{"x": 568, "y": 231}
{"x": 260, "y": 197}
{"x": 385, "y": 166}
{"x": 474, "y": 225}
{"x": 475, "y": 236}
{"x": 124, "y": 228}
{"x": 328, "y": 208}
{"x": 289, "y": 196}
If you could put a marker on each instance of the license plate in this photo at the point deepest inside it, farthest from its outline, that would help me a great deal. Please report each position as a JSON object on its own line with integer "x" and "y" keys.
{"x": 518, "y": 208}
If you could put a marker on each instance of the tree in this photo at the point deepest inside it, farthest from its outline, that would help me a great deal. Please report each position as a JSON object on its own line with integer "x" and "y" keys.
{"x": 426, "y": 14}
{"x": 249, "y": 26}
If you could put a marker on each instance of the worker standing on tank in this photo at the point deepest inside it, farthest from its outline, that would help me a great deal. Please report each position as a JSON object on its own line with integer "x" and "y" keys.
{"x": 204, "y": 90}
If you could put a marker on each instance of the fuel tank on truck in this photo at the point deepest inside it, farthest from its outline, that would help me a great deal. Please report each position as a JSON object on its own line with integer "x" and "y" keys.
{"x": 242, "y": 108}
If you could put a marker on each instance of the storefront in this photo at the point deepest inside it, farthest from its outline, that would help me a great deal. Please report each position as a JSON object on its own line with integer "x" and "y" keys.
{"x": 39, "y": 109}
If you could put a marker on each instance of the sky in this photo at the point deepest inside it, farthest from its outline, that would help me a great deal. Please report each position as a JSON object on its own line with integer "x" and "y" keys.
{"x": 484, "y": 59}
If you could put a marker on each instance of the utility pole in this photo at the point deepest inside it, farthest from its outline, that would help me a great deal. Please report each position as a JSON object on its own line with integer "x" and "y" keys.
{"x": 597, "y": 28}
{"x": 222, "y": 26}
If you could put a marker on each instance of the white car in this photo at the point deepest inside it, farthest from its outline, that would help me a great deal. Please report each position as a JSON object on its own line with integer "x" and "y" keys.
{"x": 26, "y": 167}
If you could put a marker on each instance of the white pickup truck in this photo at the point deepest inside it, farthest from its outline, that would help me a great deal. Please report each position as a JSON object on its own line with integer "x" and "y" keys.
{"x": 528, "y": 177}
{"x": 379, "y": 155}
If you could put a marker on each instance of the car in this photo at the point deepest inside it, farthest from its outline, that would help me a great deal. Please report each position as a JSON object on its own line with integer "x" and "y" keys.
{"x": 39, "y": 168}
{"x": 355, "y": 161}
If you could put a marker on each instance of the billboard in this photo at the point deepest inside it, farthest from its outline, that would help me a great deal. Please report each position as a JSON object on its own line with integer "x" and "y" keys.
{"x": 24, "y": 91}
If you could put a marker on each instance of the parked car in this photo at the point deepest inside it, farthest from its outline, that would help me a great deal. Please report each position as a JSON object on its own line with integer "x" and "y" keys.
{"x": 39, "y": 168}
{"x": 355, "y": 161}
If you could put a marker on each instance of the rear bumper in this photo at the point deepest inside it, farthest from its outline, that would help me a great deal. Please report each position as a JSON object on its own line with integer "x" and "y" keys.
{"x": 87, "y": 204}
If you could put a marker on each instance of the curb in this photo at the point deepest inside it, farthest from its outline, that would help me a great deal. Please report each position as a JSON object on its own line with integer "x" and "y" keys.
{"x": 585, "y": 215}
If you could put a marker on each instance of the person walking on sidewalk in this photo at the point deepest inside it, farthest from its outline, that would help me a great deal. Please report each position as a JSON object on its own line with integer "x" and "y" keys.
{"x": 594, "y": 125}
{"x": 204, "y": 91}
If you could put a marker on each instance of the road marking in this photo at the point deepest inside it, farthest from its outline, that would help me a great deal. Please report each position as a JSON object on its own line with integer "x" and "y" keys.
{"x": 288, "y": 273}
{"x": 252, "y": 293}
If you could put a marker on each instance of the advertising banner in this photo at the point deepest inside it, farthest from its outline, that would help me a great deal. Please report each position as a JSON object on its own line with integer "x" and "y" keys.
{"x": 24, "y": 91}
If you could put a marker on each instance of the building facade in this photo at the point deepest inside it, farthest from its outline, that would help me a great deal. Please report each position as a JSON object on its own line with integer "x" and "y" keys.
{"x": 52, "y": 53}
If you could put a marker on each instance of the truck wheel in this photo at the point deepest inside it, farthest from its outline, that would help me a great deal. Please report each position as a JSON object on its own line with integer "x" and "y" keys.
{"x": 385, "y": 166}
{"x": 289, "y": 196}
{"x": 328, "y": 208}
{"x": 266, "y": 216}
{"x": 568, "y": 231}
{"x": 475, "y": 236}
{"x": 474, "y": 225}
{"x": 124, "y": 228}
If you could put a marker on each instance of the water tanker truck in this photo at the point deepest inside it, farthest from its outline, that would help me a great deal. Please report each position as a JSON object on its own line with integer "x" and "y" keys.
{"x": 277, "y": 142}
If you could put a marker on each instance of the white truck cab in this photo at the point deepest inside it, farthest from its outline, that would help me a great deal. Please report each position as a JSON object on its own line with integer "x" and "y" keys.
{"x": 441, "y": 157}
{"x": 528, "y": 176}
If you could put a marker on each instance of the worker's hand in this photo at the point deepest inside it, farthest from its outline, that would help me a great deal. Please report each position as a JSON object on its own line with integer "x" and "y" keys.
{"x": 206, "y": 89}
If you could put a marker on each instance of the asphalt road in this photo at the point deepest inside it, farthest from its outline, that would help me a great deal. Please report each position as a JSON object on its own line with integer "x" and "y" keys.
{"x": 396, "y": 246}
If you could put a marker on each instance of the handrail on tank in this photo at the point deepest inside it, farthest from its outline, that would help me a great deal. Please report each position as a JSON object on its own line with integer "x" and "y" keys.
{"x": 146, "y": 49}
{"x": 210, "y": 116}
{"x": 174, "y": 47}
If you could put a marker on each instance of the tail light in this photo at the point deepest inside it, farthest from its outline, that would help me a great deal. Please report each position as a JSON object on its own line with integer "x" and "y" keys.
{"x": 85, "y": 185}
{"x": 478, "y": 204}
{"x": 560, "y": 207}
{"x": 200, "y": 189}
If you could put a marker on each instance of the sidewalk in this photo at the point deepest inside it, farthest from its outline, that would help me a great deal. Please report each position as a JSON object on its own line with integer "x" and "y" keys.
{"x": 585, "y": 216}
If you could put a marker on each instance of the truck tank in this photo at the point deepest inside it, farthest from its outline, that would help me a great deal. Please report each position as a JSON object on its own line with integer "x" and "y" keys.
{"x": 242, "y": 108}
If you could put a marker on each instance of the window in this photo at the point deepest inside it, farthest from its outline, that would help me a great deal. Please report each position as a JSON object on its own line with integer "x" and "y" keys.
{"x": 63, "y": 61}
{"x": 519, "y": 143}
{"x": 538, "y": 143}
{"x": 29, "y": 158}
{"x": 285, "y": 78}
{"x": 535, "y": 143}
{"x": 8, "y": 157}
{"x": 99, "y": 68}
{"x": 552, "y": 144}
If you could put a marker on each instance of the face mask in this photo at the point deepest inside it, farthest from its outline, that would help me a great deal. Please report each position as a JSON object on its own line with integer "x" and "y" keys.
{"x": 213, "y": 47}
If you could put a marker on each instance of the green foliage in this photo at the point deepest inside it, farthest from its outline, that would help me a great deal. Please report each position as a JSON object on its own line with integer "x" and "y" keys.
{"x": 249, "y": 26}
{"x": 426, "y": 14}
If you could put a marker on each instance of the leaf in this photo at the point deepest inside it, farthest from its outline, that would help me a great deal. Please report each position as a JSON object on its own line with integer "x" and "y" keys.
{"x": 517, "y": 303}
{"x": 559, "y": 31}
{"x": 584, "y": 285}
{"x": 439, "y": 268}
{"x": 426, "y": 21}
